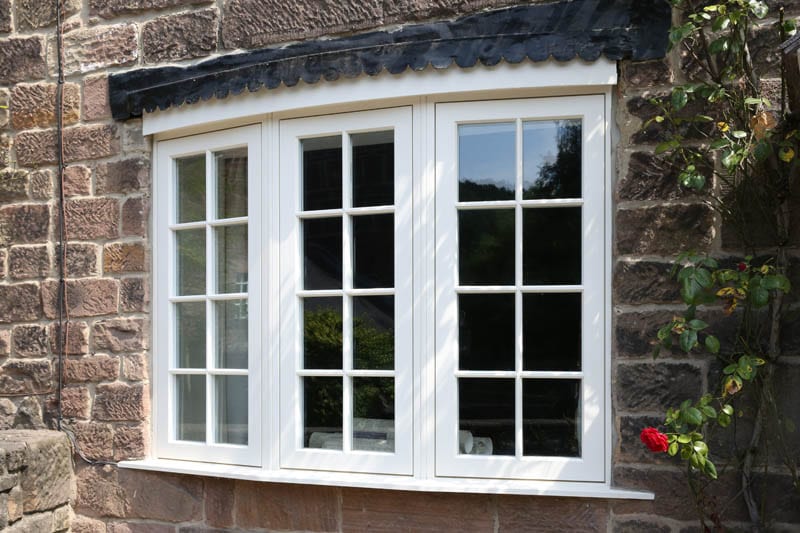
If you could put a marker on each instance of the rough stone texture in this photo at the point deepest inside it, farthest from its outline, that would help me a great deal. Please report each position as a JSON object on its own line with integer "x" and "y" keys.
{"x": 120, "y": 402}
{"x": 32, "y": 14}
{"x": 182, "y": 36}
{"x": 96, "y": 441}
{"x": 654, "y": 386}
{"x": 90, "y": 142}
{"x": 133, "y": 295}
{"x": 134, "y": 367}
{"x": 21, "y": 59}
{"x": 93, "y": 218}
{"x": 19, "y": 303}
{"x": 25, "y": 376}
{"x": 122, "y": 177}
{"x": 650, "y": 178}
{"x": 29, "y": 414}
{"x": 165, "y": 497}
{"x": 120, "y": 335}
{"x": 13, "y": 185}
{"x": 95, "y": 98}
{"x": 77, "y": 341}
{"x": 5, "y": 15}
{"x": 129, "y": 442}
{"x": 88, "y": 50}
{"x": 646, "y": 74}
{"x": 28, "y": 261}
{"x": 24, "y": 223}
{"x": 635, "y": 525}
{"x": 82, "y": 260}
{"x": 85, "y": 297}
{"x": 662, "y": 230}
{"x": 84, "y": 524}
{"x": 307, "y": 508}
{"x": 77, "y": 180}
{"x": 254, "y": 23}
{"x": 99, "y": 492}
{"x": 30, "y": 341}
{"x": 644, "y": 282}
{"x": 75, "y": 402}
{"x": 5, "y": 342}
{"x": 515, "y": 513}
{"x": 134, "y": 217}
{"x": 217, "y": 499}
{"x": 124, "y": 257}
{"x": 91, "y": 369}
{"x": 115, "y": 8}
{"x": 41, "y": 185}
{"x": 34, "y": 105}
{"x": 36, "y": 148}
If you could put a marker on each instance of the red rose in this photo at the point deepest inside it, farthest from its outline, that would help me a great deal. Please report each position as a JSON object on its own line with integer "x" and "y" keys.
{"x": 742, "y": 267}
{"x": 654, "y": 440}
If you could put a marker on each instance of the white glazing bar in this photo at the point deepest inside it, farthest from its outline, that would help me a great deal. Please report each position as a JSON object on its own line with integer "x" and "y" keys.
{"x": 210, "y": 289}
{"x": 187, "y": 299}
{"x": 518, "y": 345}
{"x": 486, "y": 204}
{"x": 371, "y": 292}
{"x": 551, "y": 374}
{"x": 333, "y": 372}
{"x": 226, "y": 296}
{"x": 310, "y": 293}
{"x": 486, "y": 289}
{"x": 320, "y": 213}
{"x": 486, "y": 373}
{"x": 181, "y": 371}
{"x": 370, "y": 210}
{"x": 188, "y": 225}
{"x": 371, "y": 373}
{"x": 228, "y": 221}
{"x": 347, "y": 301}
{"x": 229, "y": 371}
{"x": 557, "y": 289}
{"x": 553, "y": 202}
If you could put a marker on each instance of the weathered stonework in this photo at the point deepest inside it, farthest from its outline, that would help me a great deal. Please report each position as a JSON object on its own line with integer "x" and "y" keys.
{"x": 89, "y": 50}
{"x": 21, "y": 59}
{"x": 183, "y": 36}
{"x": 33, "y": 105}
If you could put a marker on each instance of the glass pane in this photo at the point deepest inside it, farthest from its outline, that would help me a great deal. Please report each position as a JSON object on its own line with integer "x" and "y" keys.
{"x": 486, "y": 416}
{"x": 487, "y": 165}
{"x": 322, "y": 333}
{"x": 231, "y": 334}
{"x": 486, "y": 247}
{"x": 486, "y": 331}
{"x": 322, "y": 253}
{"x": 191, "y": 251}
{"x": 190, "y": 333}
{"x": 231, "y": 409}
{"x": 322, "y": 413}
{"x": 231, "y": 183}
{"x": 373, "y": 332}
{"x": 191, "y": 188}
{"x": 551, "y": 332}
{"x": 373, "y": 244}
{"x": 322, "y": 173}
{"x": 373, "y": 168}
{"x": 551, "y": 417}
{"x": 231, "y": 258}
{"x": 373, "y": 414}
{"x": 551, "y": 247}
{"x": 190, "y": 408}
{"x": 551, "y": 159}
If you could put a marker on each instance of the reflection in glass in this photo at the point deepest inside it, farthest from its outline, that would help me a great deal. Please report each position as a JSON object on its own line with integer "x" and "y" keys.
{"x": 551, "y": 246}
{"x": 191, "y": 252}
{"x": 322, "y": 253}
{"x": 322, "y": 412}
{"x": 231, "y": 409}
{"x": 486, "y": 247}
{"x": 190, "y": 409}
{"x": 486, "y": 331}
{"x": 190, "y": 334}
{"x": 322, "y": 173}
{"x": 322, "y": 333}
{"x": 191, "y": 188}
{"x": 487, "y": 166}
{"x": 551, "y": 332}
{"x": 231, "y": 183}
{"x": 231, "y": 333}
{"x": 551, "y": 159}
{"x": 231, "y": 258}
{"x": 486, "y": 416}
{"x": 551, "y": 417}
{"x": 373, "y": 246}
{"x": 373, "y": 168}
{"x": 373, "y": 414}
{"x": 373, "y": 332}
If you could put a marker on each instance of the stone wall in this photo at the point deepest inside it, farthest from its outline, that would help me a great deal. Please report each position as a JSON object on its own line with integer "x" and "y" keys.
{"x": 107, "y": 188}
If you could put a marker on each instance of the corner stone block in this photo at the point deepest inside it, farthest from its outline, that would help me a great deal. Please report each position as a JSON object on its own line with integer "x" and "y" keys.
{"x": 640, "y": 282}
{"x": 25, "y": 223}
{"x": 21, "y": 59}
{"x": 26, "y": 377}
{"x": 129, "y": 442}
{"x": 122, "y": 177}
{"x": 134, "y": 217}
{"x": 85, "y": 297}
{"x": 165, "y": 497}
{"x": 120, "y": 335}
{"x": 91, "y": 49}
{"x": 20, "y": 303}
{"x": 95, "y": 98}
{"x": 84, "y": 524}
{"x": 133, "y": 294}
{"x": 124, "y": 257}
{"x": 664, "y": 230}
{"x": 119, "y": 402}
{"x": 100, "y": 494}
{"x": 92, "y": 218}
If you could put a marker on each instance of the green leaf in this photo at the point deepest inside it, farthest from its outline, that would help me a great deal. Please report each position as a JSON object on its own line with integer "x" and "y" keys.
{"x": 710, "y": 469}
{"x": 693, "y": 416}
{"x": 730, "y": 369}
{"x": 719, "y": 143}
{"x": 712, "y": 344}
{"x": 678, "y": 34}
{"x": 679, "y": 98}
{"x": 673, "y": 449}
{"x": 709, "y": 411}
{"x": 684, "y": 439}
{"x": 759, "y": 9}
{"x": 762, "y": 150}
{"x": 665, "y": 331}
{"x": 719, "y": 45}
{"x": 727, "y": 409}
{"x": 686, "y": 452}
{"x": 666, "y": 146}
{"x": 697, "y": 324}
{"x": 730, "y": 159}
{"x": 720, "y": 23}
{"x": 753, "y": 101}
{"x": 700, "y": 447}
{"x": 739, "y": 134}
{"x": 772, "y": 282}
{"x": 688, "y": 339}
{"x": 724, "y": 420}
{"x": 759, "y": 296}
{"x": 703, "y": 277}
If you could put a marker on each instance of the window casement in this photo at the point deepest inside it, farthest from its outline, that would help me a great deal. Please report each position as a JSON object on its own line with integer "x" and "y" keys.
{"x": 407, "y": 293}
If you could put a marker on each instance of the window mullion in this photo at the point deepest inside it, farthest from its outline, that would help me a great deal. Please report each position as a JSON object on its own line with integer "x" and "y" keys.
{"x": 210, "y": 277}
{"x": 347, "y": 299}
{"x": 518, "y": 293}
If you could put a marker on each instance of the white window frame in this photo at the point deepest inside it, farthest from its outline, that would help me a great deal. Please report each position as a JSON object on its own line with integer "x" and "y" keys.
{"x": 422, "y": 91}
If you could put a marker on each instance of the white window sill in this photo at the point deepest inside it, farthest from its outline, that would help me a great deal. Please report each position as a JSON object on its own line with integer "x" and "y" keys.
{"x": 460, "y": 485}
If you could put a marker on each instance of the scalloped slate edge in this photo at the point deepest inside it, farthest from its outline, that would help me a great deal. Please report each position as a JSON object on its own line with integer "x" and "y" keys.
{"x": 565, "y": 30}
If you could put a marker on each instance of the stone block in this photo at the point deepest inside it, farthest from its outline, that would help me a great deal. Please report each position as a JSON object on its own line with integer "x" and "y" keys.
{"x": 36, "y": 523}
{"x": 13, "y": 185}
{"x": 219, "y": 502}
{"x": 15, "y": 504}
{"x": 95, "y": 98}
{"x": 75, "y": 402}
{"x": 94, "y": 369}
{"x": 41, "y": 185}
{"x": 116, "y": 8}
{"x": 165, "y": 497}
{"x": 130, "y": 526}
{"x": 83, "y": 259}
{"x": 656, "y": 386}
{"x": 124, "y": 257}
{"x": 91, "y": 49}
{"x": 21, "y": 59}
{"x": 120, "y": 335}
{"x": 25, "y": 376}
{"x": 5, "y": 149}
{"x": 256, "y": 23}
{"x": 30, "y": 340}
{"x": 29, "y": 414}
{"x": 19, "y": 303}
{"x": 129, "y": 442}
{"x": 292, "y": 507}
{"x": 120, "y": 402}
{"x": 95, "y": 440}
{"x": 134, "y": 367}
{"x": 520, "y": 513}
{"x": 48, "y": 481}
{"x": 641, "y": 108}
{"x": 182, "y": 36}
{"x": 33, "y": 105}
{"x": 640, "y": 282}
{"x": 93, "y": 218}
{"x": 649, "y": 177}
{"x": 637, "y": 525}
{"x": 24, "y": 223}
{"x": 630, "y": 448}
{"x": 36, "y": 148}
{"x": 133, "y": 294}
{"x": 664, "y": 230}
{"x": 77, "y": 338}
{"x": 84, "y": 524}
{"x": 84, "y": 297}
{"x": 5, "y": 16}
{"x": 134, "y": 217}
{"x": 62, "y": 518}
{"x": 33, "y": 14}
{"x": 28, "y": 261}
{"x": 8, "y": 481}
{"x": 5, "y": 342}
{"x": 122, "y": 177}
{"x": 646, "y": 74}
{"x": 90, "y": 142}
{"x": 77, "y": 180}
{"x": 100, "y": 493}
{"x": 132, "y": 138}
